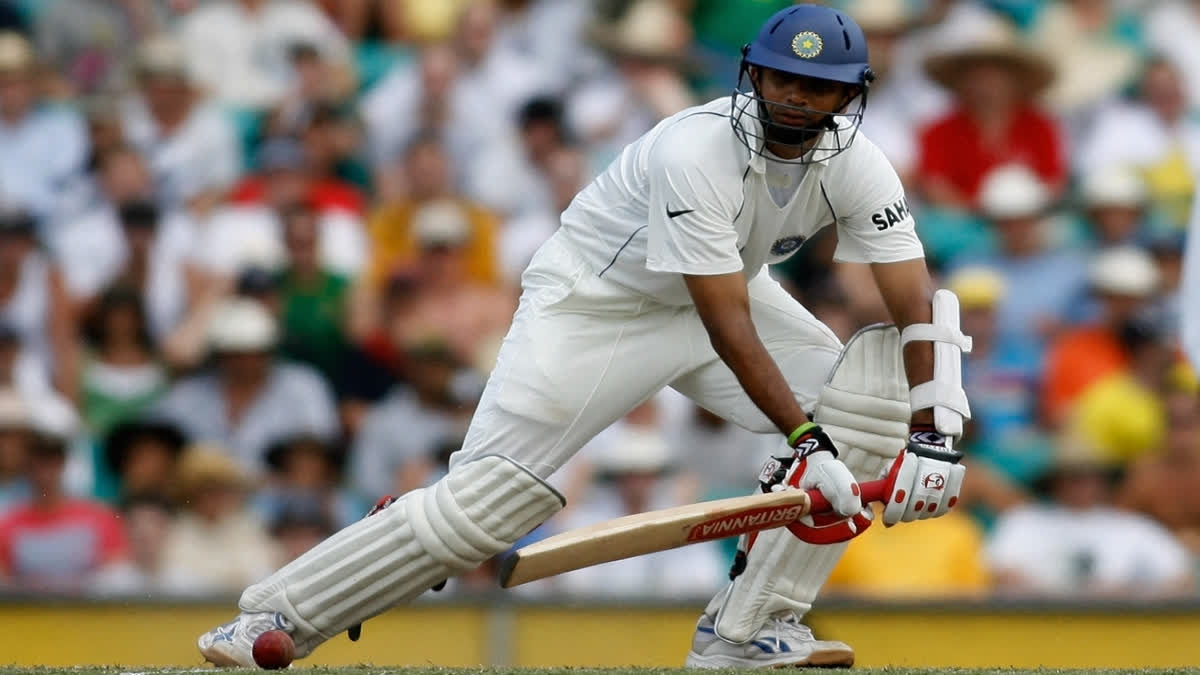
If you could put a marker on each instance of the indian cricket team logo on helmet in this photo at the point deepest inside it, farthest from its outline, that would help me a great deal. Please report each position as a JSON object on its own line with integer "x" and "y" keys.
{"x": 807, "y": 44}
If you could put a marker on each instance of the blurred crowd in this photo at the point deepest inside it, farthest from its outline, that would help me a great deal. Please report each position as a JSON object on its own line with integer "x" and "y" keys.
{"x": 257, "y": 256}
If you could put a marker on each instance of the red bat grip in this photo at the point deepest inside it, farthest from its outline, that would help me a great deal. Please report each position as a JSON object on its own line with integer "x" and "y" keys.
{"x": 872, "y": 491}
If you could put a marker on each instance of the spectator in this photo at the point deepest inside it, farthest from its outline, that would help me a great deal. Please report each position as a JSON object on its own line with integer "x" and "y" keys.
{"x": 142, "y": 455}
{"x": 1121, "y": 415}
{"x": 643, "y": 83}
{"x": 121, "y": 374}
{"x": 16, "y": 439}
{"x": 934, "y": 559}
{"x": 214, "y": 517}
{"x": 471, "y": 317}
{"x": 314, "y": 300}
{"x": 1077, "y": 544}
{"x": 88, "y": 42}
{"x": 469, "y": 91}
{"x": 1173, "y": 30}
{"x": 288, "y": 175}
{"x": 23, "y": 372}
{"x": 993, "y": 123}
{"x": 238, "y": 49}
{"x": 1162, "y": 484}
{"x": 298, "y": 525}
{"x": 44, "y": 147}
{"x": 1094, "y": 47}
{"x": 1114, "y": 205}
{"x": 1123, "y": 279}
{"x": 649, "y": 44}
{"x": 1155, "y": 136}
{"x": 428, "y": 175}
{"x": 511, "y": 175}
{"x": 147, "y": 520}
{"x": 423, "y": 95}
{"x": 249, "y": 399}
{"x": 127, "y": 239}
{"x": 191, "y": 146}
{"x": 55, "y": 542}
{"x": 1043, "y": 285}
{"x": 34, "y": 301}
{"x": 309, "y": 470}
{"x": 249, "y": 231}
{"x": 404, "y": 438}
{"x": 315, "y": 86}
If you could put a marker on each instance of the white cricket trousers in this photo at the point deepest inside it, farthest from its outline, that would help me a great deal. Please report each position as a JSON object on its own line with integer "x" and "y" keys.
{"x": 582, "y": 352}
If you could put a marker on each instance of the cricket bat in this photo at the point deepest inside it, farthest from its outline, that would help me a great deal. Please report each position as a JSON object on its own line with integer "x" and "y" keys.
{"x": 643, "y": 533}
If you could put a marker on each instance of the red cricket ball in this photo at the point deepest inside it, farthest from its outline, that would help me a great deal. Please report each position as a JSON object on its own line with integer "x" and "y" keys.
{"x": 274, "y": 649}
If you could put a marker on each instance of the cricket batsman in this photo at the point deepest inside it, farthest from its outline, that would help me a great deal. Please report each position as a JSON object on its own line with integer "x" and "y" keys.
{"x": 658, "y": 278}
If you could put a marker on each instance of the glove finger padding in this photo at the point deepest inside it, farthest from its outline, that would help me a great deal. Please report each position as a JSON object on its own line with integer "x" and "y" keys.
{"x": 920, "y": 488}
{"x": 823, "y": 471}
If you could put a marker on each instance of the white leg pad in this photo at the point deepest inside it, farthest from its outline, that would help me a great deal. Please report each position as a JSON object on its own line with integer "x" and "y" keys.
{"x": 477, "y": 511}
{"x": 864, "y": 407}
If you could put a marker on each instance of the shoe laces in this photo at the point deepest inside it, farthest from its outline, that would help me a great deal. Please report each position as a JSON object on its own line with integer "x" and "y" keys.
{"x": 790, "y": 625}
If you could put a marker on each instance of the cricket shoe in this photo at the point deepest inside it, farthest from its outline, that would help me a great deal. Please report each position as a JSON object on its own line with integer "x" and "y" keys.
{"x": 232, "y": 644}
{"x": 783, "y": 642}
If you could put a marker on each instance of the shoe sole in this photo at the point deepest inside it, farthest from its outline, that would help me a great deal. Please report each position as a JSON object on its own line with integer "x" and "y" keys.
{"x": 825, "y": 658}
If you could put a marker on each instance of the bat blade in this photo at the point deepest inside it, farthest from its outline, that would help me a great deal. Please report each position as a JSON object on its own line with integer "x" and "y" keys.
{"x": 643, "y": 533}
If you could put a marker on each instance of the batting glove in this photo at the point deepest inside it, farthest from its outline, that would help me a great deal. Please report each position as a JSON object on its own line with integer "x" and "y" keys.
{"x": 925, "y": 480}
{"x": 815, "y": 465}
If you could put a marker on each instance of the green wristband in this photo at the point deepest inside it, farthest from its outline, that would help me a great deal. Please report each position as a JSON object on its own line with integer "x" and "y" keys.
{"x": 800, "y": 431}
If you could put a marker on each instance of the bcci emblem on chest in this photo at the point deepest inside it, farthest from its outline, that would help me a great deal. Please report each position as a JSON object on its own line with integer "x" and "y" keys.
{"x": 807, "y": 44}
{"x": 786, "y": 245}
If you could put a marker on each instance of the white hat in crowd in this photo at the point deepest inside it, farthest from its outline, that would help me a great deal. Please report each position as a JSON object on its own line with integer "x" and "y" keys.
{"x": 1113, "y": 186}
{"x": 442, "y": 222}
{"x": 1124, "y": 270}
{"x": 242, "y": 325}
{"x": 634, "y": 449}
{"x": 1013, "y": 191}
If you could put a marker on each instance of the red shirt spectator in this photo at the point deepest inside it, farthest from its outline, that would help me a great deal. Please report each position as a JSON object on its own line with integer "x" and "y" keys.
{"x": 955, "y": 150}
{"x": 994, "y": 79}
{"x": 323, "y": 194}
{"x": 61, "y": 546}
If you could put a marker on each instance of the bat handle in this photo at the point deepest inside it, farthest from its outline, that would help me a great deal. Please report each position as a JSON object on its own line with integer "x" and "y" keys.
{"x": 872, "y": 491}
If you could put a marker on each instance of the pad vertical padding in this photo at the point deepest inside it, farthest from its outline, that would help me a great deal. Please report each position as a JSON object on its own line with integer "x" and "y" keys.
{"x": 865, "y": 403}
{"x": 477, "y": 511}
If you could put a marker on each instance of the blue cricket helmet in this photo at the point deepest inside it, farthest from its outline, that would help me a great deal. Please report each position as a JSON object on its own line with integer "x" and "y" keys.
{"x": 812, "y": 41}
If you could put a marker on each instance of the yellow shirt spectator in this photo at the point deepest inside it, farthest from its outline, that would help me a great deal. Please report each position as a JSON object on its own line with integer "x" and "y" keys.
{"x": 932, "y": 558}
{"x": 1120, "y": 418}
{"x": 394, "y": 242}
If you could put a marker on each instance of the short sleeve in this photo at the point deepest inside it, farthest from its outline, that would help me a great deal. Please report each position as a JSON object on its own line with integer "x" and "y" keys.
{"x": 690, "y": 228}
{"x": 874, "y": 222}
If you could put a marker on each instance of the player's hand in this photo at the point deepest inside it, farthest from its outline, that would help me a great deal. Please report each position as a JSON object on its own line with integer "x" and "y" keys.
{"x": 816, "y": 466}
{"x": 925, "y": 480}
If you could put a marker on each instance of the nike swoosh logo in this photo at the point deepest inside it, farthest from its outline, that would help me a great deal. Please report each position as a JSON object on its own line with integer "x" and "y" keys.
{"x": 676, "y": 214}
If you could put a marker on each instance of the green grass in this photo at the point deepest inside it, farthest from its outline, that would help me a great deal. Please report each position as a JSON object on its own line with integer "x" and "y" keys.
{"x": 372, "y": 670}
{"x": 427, "y": 670}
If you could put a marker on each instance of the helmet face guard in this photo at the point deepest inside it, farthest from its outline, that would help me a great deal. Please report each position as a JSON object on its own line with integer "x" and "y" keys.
{"x": 811, "y": 41}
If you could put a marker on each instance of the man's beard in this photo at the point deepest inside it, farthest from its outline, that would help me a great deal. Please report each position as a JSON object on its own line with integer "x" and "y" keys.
{"x": 787, "y": 134}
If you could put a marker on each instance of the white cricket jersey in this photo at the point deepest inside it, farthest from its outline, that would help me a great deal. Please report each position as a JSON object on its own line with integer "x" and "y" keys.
{"x": 689, "y": 197}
